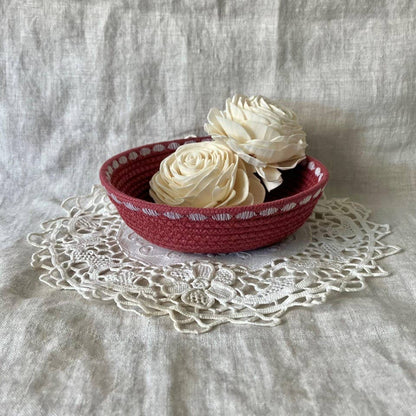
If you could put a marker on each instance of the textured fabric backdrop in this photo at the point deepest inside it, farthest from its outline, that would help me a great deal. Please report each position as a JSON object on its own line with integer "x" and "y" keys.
{"x": 82, "y": 80}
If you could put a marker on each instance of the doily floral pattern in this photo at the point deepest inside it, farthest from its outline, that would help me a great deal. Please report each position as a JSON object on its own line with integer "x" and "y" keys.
{"x": 84, "y": 251}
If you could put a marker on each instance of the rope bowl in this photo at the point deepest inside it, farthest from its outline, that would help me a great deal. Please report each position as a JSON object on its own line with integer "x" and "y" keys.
{"x": 126, "y": 178}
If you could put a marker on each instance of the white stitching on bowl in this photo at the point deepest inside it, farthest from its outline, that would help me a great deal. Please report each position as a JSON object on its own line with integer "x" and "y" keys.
{"x": 197, "y": 217}
{"x": 289, "y": 206}
{"x": 222, "y": 217}
{"x": 305, "y": 200}
{"x": 150, "y": 212}
{"x": 268, "y": 211}
{"x": 115, "y": 198}
{"x": 145, "y": 151}
{"x": 317, "y": 193}
{"x": 172, "y": 215}
{"x": 158, "y": 148}
{"x": 130, "y": 206}
{"x": 173, "y": 146}
{"x": 245, "y": 215}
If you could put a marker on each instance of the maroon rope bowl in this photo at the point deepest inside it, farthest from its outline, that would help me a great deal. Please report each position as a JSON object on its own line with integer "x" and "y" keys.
{"x": 126, "y": 178}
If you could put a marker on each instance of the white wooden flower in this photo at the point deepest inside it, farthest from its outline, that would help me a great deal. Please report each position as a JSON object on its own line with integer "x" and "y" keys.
{"x": 205, "y": 175}
{"x": 261, "y": 133}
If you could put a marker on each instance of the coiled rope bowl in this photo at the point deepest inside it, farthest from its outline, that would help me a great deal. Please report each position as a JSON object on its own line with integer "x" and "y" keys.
{"x": 126, "y": 178}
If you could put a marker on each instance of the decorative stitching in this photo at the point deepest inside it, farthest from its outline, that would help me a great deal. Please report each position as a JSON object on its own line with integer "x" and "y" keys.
{"x": 150, "y": 212}
{"x": 158, "y": 148}
{"x": 305, "y": 200}
{"x": 222, "y": 217}
{"x": 289, "y": 207}
{"x": 197, "y": 217}
{"x": 145, "y": 151}
{"x": 246, "y": 215}
{"x": 316, "y": 194}
{"x": 173, "y": 146}
{"x": 268, "y": 211}
{"x": 130, "y": 206}
{"x": 311, "y": 165}
{"x": 173, "y": 215}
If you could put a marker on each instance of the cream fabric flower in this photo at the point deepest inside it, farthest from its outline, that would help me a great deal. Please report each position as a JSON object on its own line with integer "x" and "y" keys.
{"x": 205, "y": 175}
{"x": 263, "y": 134}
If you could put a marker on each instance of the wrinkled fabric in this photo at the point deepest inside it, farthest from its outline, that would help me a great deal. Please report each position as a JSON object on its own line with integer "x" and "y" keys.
{"x": 81, "y": 81}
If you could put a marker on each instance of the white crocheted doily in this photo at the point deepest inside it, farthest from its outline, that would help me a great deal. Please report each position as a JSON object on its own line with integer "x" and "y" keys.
{"x": 92, "y": 251}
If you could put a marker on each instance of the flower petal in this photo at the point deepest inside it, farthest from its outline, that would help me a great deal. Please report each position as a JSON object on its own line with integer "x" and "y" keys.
{"x": 241, "y": 190}
{"x": 236, "y": 113}
{"x": 233, "y": 129}
{"x": 290, "y": 164}
{"x": 256, "y": 190}
{"x": 213, "y": 116}
{"x": 259, "y": 130}
{"x": 271, "y": 177}
{"x": 236, "y": 148}
{"x": 273, "y": 153}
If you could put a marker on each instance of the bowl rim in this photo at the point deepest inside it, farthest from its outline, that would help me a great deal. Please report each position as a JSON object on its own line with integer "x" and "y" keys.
{"x": 111, "y": 189}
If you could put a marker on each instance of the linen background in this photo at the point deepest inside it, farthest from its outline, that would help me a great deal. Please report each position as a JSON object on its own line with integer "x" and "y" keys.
{"x": 83, "y": 80}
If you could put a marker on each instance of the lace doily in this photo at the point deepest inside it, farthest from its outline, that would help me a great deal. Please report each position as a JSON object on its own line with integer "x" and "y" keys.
{"x": 92, "y": 251}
